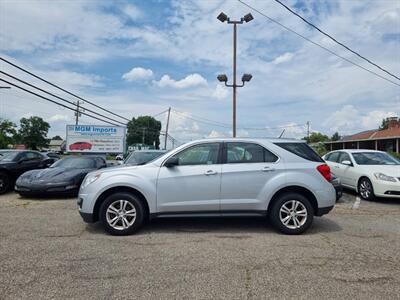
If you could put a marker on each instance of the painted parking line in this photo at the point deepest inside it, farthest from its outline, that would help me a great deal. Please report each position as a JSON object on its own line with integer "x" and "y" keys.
{"x": 356, "y": 203}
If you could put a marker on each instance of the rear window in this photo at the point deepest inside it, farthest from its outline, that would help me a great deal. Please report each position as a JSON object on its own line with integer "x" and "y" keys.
{"x": 302, "y": 150}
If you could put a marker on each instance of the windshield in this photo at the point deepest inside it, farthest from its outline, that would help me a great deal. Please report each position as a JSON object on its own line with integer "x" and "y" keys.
{"x": 375, "y": 158}
{"x": 75, "y": 162}
{"x": 141, "y": 158}
{"x": 8, "y": 156}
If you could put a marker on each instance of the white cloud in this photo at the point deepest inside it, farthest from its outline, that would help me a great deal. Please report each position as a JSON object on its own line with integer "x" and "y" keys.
{"x": 191, "y": 80}
{"x": 220, "y": 92}
{"x": 58, "y": 118}
{"x": 138, "y": 73}
{"x": 350, "y": 120}
{"x": 283, "y": 58}
{"x": 216, "y": 134}
{"x": 133, "y": 12}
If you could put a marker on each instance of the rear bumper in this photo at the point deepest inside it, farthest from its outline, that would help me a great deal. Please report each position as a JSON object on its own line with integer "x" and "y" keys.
{"x": 323, "y": 210}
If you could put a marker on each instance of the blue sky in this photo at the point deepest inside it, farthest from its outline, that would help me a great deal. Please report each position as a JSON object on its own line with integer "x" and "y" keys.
{"x": 140, "y": 57}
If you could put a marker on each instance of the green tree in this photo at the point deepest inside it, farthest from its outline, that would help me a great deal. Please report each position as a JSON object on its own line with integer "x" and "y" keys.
{"x": 385, "y": 124}
{"x": 57, "y": 137}
{"x": 7, "y": 133}
{"x": 336, "y": 136}
{"x": 316, "y": 137}
{"x": 144, "y": 129}
{"x": 33, "y": 132}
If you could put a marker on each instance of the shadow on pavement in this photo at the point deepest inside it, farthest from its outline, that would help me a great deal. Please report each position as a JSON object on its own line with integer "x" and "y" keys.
{"x": 237, "y": 225}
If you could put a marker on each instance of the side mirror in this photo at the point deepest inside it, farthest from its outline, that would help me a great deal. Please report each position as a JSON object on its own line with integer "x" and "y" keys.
{"x": 172, "y": 162}
{"x": 347, "y": 163}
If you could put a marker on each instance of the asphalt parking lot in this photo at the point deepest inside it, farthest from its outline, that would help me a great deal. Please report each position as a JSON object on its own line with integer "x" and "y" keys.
{"x": 47, "y": 252}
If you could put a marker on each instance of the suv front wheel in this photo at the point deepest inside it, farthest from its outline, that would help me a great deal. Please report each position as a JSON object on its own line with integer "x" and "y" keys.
{"x": 291, "y": 214}
{"x": 122, "y": 214}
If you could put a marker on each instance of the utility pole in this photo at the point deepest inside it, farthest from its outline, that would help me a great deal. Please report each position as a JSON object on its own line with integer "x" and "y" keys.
{"x": 308, "y": 131}
{"x": 246, "y": 77}
{"x": 166, "y": 129}
{"x": 143, "y": 134}
{"x": 78, "y": 112}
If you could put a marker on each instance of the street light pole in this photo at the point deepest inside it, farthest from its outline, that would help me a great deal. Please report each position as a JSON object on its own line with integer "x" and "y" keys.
{"x": 246, "y": 77}
{"x": 234, "y": 80}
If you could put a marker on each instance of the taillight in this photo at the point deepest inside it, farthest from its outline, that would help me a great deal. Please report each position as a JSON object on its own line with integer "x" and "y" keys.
{"x": 325, "y": 172}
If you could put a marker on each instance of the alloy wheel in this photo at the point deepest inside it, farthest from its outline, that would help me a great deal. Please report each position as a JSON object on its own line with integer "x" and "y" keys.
{"x": 365, "y": 189}
{"x": 293, "y": 214}
{"x": 121, "y": 214}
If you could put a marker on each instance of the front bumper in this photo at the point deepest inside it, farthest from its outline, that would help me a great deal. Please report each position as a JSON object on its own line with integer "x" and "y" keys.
{"x": 88, "y": 218}
{"x": 386, "y": 189}
{"x": 63, "y": 188}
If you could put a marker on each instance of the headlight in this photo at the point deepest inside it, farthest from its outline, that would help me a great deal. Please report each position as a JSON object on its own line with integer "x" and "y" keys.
{"x": 90, "y": 179}
{"x": 384, "y": 177}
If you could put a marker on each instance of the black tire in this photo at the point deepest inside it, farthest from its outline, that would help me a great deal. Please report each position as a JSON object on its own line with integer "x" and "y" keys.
{"x": 5, "y": 183}
{"x": 134, "y": 202}
{"x": 304, "y": 222}
{"x": 365, "y": 189}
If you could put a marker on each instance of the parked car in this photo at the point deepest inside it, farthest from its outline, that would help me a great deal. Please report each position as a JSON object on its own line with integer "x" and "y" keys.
{"x": 282, "y": 179}
{"x": 371, "y": 173}
{"x": 80, "y": 146}
{"x": 119, "y": 157}
{"x": 141, "y": 157}
{"x": 53, "y": 157}
{"x": 63, "y": 177}
{"x": 15, "y": 162}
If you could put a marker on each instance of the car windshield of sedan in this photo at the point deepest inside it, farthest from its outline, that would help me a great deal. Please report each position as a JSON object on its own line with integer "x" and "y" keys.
{"x": 375, "y": 158}
{"x": 75, "y": 162}
{"x": 141, "y": 158}
{"x": 8, "y": 156}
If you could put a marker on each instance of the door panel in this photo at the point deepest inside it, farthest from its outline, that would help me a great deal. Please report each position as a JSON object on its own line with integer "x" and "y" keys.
{"x": 245, "y": 176}
{"x": 194, "y": 184}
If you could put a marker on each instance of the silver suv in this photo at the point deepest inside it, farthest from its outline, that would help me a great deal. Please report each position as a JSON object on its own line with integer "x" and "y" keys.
{"x": 282, "y": 179}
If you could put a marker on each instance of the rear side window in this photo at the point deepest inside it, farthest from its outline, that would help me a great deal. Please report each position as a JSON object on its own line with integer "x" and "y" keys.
{"x": 248, "y": 153}
{"x": 302, "y": 150}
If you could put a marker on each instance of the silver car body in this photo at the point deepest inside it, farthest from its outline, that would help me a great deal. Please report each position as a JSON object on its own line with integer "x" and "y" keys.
{"x": 224, "y": 189}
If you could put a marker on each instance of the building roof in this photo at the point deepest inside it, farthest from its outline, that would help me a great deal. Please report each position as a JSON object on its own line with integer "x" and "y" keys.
{"x": 393, "y": 131}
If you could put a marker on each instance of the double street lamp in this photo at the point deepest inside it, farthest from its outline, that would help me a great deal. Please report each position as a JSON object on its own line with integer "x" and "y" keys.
{"x": 246, "y": 77}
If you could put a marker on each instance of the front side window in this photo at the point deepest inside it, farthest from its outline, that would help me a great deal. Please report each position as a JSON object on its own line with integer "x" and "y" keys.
{"x": 248, "y": 153}
{"x": 333, "y": 157}
{"x": 344, "y": 156}
{"x": 205, "y": 154}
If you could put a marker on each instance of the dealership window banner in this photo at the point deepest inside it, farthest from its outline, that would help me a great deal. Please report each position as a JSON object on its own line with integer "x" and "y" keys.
{"x": 95, "y": 139}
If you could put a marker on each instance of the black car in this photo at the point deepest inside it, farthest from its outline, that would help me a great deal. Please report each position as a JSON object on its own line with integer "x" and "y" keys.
{"x": 13, "y": 163}
{"x": 64, "y": 177}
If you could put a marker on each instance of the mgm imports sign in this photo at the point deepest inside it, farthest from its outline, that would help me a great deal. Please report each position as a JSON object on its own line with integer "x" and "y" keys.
{"x": 95, "y": 139}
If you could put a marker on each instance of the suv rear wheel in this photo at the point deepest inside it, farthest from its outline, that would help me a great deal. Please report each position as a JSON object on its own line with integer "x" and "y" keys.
{"x": 292, "y": 213}
{"x": 122, "y": 214}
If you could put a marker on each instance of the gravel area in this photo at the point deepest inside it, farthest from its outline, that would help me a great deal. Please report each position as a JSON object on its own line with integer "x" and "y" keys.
{"x": 48, "y": 252}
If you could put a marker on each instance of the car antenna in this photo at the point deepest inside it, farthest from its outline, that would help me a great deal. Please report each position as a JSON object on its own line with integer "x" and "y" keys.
{"x": 283, "y": 131}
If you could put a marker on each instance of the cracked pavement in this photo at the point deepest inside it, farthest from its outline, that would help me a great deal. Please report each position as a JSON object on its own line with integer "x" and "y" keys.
{"x": 48, "y": 252}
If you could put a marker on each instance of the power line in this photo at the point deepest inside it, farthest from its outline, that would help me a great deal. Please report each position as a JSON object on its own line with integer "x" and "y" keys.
{"x": 60, "y": 98}
{"x": 316, "y": 44}
{"x": 204, "y": 118}
{"x": 55, "y": 102}
{"x": 60, "y": 88}
{"x": 336, "y": 41}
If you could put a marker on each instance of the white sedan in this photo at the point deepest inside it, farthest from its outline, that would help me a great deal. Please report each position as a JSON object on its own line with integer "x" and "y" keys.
{"x": 371, "y": 173}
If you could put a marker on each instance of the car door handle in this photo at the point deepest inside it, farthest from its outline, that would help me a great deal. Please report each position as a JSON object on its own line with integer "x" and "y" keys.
{"x": 210, "y": 172}
{"x": 336, "y": 167}
{"x": 268, "y": 169}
